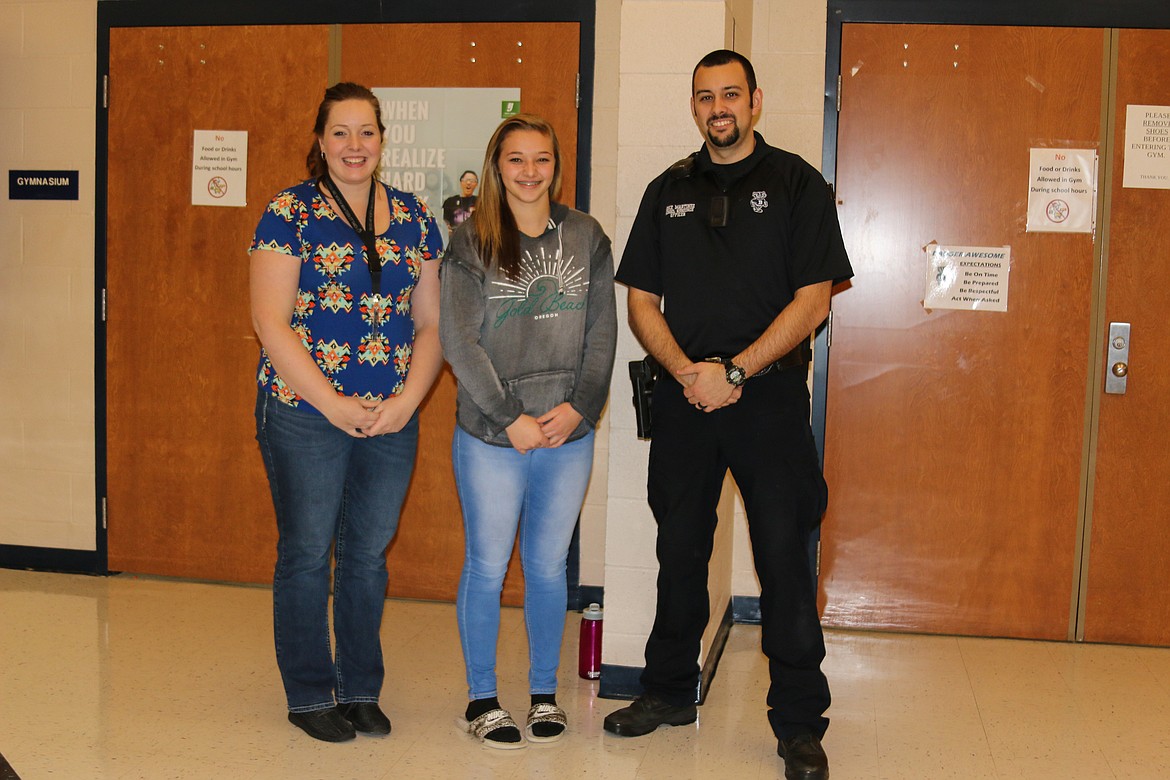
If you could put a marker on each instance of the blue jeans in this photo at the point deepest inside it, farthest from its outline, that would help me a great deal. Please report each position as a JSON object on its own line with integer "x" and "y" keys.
{"x": 330, "y": 490}
{"x": 541, "y": 494}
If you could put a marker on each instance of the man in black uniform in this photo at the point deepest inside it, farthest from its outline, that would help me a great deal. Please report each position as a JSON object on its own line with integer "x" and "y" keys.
{"x": 740, "y": 242}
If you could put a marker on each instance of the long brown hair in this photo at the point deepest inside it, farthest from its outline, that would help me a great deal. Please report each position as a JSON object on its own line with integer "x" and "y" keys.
{"x": 345, "y": 90}
{"x": 496, "y": 233}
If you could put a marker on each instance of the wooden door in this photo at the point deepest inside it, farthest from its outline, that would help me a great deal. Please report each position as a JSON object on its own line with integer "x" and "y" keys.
{"x": 186, "y": 491}
{"x": 1128, "y": 589}
{"x": 953, "y": 441}
{"x": 187, "y": 494}
{"x": 541, "y": 59}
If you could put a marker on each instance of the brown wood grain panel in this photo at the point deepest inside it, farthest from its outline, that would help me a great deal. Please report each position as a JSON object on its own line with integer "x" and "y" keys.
{"x": 541, "y": 59}
{"x": 1128, "y": 593}
{"x": 187, "y": 494}
{"x": 953, "y": 438}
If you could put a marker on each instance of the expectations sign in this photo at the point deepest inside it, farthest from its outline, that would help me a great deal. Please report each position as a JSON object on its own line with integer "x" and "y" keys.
{"x": 967, "y": 277}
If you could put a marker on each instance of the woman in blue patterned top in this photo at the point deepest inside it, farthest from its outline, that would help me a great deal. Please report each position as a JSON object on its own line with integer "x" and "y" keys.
{"x": 345, "y": 301}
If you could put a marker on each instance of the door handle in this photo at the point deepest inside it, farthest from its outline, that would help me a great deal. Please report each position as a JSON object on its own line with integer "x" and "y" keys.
{"x": 1118, "y": 358}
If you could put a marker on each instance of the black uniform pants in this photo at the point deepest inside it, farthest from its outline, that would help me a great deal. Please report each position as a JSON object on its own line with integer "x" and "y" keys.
{"x": 766, "y": 441}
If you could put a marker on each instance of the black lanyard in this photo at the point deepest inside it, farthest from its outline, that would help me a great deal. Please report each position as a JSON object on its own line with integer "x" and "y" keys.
{"x": 366, "y": 233}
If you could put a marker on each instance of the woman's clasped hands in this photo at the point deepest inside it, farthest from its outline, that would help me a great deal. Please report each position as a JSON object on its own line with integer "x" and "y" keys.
{"x": 549, "y": 431}
{"x": 362, "y": 418}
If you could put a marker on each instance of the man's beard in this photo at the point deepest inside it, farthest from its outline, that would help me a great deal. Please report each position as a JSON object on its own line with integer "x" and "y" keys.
{"x": 731, "y": 139}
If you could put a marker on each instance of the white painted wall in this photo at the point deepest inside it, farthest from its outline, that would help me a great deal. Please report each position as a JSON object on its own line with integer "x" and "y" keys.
{"x": 48, "y": 65}
{"x": 661, "y": 41}
{"x": 603, "y": 207}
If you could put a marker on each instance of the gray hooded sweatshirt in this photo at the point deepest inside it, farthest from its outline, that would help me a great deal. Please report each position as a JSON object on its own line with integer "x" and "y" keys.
{"x": 525, "y": 345}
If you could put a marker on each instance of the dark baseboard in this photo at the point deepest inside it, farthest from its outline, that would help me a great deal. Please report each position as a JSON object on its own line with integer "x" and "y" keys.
{"x": 590, "y": 594}
{"x": 6, "y": 771}
{"x": 745, "y": 610}
{"x": 624, "y": 682}
{"x": 14, "y": 556}
{"x": 579, "y": 596}
{"x": 620, "y": 682}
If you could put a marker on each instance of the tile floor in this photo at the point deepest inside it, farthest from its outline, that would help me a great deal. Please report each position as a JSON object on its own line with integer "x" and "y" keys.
{"x": 131, "y": 677}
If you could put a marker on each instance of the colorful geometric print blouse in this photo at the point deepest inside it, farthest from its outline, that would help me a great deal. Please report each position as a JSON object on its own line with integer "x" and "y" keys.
{"x": 361, "y": 342}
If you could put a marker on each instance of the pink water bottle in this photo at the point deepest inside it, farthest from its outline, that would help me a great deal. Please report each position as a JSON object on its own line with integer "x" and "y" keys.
{"x": 589, "y": 658}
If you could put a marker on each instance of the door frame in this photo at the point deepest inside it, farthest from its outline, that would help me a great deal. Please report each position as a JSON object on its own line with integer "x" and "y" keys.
{"x": 160, "y": 13}
{"x": 1139, "y": 14}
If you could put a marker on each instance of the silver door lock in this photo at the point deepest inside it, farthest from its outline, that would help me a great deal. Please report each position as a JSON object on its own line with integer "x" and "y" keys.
{"x": 1118, "y": 358}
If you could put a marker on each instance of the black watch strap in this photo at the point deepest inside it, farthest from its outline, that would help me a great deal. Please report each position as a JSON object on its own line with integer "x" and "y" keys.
{"x": 736, "y": 376}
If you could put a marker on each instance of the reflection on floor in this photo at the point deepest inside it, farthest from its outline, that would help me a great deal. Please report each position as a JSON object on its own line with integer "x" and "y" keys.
{"x": 130, "y": 677}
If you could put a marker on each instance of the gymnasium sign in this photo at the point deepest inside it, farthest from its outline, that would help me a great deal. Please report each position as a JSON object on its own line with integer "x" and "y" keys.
{"x": 42, "y": 185}
{"x": 219, "y": 168}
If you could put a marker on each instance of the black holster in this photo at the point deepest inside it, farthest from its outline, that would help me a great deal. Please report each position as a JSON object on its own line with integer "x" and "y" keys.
{"x": 643, "y": 375}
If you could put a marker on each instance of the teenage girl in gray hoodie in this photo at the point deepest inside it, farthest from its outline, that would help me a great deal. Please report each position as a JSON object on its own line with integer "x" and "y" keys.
{"x": 528, "y": 324}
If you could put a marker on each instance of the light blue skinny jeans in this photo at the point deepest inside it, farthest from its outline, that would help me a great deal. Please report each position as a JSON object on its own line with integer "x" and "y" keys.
{"x": 541, "y": 495}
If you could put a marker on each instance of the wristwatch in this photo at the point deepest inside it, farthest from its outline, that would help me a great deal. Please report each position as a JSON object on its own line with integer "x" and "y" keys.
{"x": 736, "y": 376}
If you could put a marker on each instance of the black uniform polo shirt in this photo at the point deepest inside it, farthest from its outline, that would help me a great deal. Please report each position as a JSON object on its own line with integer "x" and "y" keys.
{"x": 723, "y": 286}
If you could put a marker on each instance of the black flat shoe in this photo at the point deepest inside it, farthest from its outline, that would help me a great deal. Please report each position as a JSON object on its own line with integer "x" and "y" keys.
{"x": 366, "y": 717}
{"x": 326, "y": 725}
{"x": 804, "y": 758}
{"x": 647, "y": 713}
